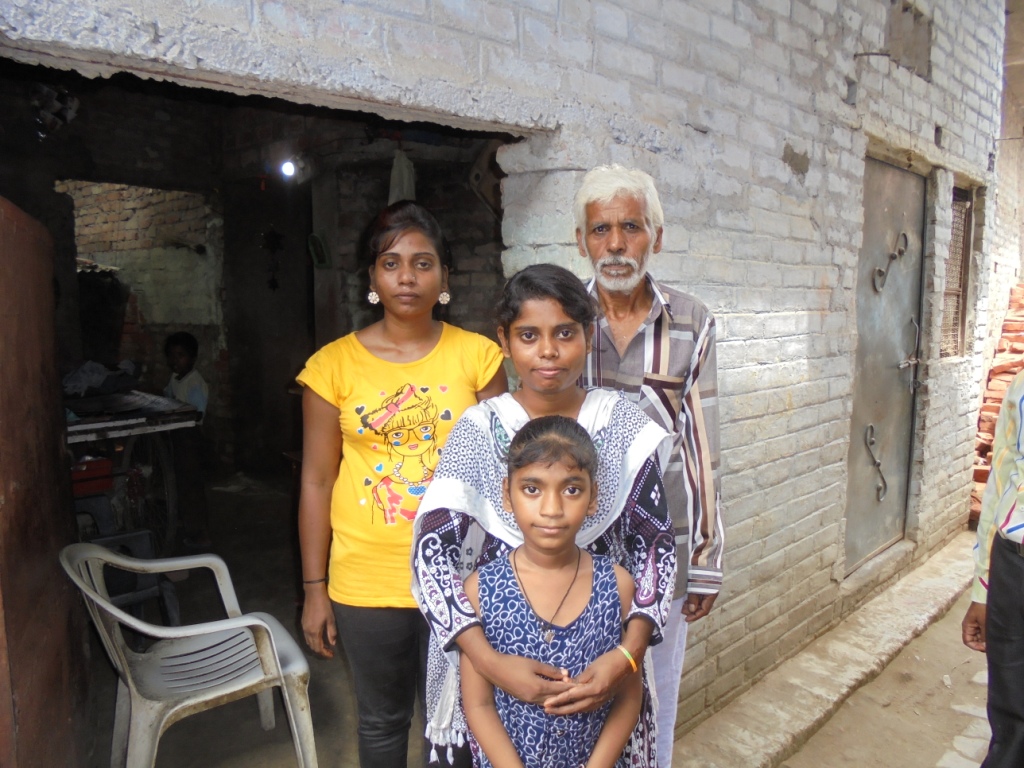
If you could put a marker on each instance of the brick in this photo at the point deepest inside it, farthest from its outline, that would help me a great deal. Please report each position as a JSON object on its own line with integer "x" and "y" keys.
{"x": 550, "y": 7}
{"x": 611, "y": 20}
{"x": 729, "y": 33}
{"x": 808, "y": 17}
{"x": 451, "y": 56}
{"x": 779, "y": 7}
{"x": 655, "y": 36}
{"x": 712, "y": 58}
{"x": 487, "y": 19}
{"x": 683, "y": 14}
{"x": 627, "y": 61}
{"x": 683, "y": 79}
{"x": 502, "y": 62}
{"x": 730, "y": 94}
{"x": 541, "y": 35}
{"x": 790, "y": 36}
{"x": 753, "y": 18}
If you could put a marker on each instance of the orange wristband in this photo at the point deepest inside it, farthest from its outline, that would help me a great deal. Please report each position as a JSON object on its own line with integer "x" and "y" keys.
{"x": 628, "y": 655}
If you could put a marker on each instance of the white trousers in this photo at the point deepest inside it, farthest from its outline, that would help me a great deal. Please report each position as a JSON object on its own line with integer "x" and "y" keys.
{"x": 667, "y": 660}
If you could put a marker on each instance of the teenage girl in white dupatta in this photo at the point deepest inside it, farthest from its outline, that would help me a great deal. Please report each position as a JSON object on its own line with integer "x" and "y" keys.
{"x": 544, "y": 320}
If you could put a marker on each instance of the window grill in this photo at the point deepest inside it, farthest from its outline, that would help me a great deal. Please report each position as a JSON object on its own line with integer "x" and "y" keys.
{"x": 957, "y": 272}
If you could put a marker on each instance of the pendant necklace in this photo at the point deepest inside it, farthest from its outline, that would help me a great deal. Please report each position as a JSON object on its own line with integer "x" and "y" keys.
{"x": 415, "y": 488}
{"x": 547, "y": 627}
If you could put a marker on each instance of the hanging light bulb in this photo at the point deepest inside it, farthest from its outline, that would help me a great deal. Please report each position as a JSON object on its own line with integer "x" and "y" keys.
{"x": 297, "y": 169}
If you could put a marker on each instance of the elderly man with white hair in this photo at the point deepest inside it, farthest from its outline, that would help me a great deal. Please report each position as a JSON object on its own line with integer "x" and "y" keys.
{"x": 657, "y": 346}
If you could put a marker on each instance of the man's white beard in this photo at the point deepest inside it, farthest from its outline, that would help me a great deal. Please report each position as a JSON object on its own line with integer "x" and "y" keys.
{"x": 626, "y": 283}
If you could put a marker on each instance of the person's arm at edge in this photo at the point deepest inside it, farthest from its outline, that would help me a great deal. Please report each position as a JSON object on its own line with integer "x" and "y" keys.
{"x": 972, "y": 627}
{"x": 707, "y": 531}
{"x": 321, "y": 458}
{"x": 625, "y": 711}
{"x": 973, "y": 624}
{"x": 478, "y": 702}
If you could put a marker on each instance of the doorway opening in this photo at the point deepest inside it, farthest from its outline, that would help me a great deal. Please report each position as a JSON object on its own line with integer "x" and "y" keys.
{"x": 268, "y": 270}
{"x": 280, "y": 272}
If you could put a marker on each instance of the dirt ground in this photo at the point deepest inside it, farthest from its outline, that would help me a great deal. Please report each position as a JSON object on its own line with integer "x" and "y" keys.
{"x": 926, "y": 710}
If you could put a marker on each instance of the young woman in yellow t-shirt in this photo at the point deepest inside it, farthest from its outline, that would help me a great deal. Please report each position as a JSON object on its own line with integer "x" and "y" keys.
{"x": 377, "y": 407}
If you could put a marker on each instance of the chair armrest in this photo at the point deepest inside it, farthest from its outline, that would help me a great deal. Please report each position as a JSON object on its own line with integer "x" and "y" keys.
{"x": 84, "y": 565}
{"x": 184, "y": 563}
{"x": 246, "y": 621}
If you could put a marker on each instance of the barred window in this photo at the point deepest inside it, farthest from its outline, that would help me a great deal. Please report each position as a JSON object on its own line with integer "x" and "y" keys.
{"x": 957, "y": 271}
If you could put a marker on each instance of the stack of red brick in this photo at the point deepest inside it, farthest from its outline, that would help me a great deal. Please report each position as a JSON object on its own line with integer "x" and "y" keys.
{"x": 1008, "y": 360}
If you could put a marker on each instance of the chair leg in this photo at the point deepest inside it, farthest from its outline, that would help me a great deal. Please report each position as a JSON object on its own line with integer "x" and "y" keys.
{"x": 265, "y": 699}
{"x": 144, "y": 739}
{"x": 122, "y": 722}
{"x": 296, "y": 704}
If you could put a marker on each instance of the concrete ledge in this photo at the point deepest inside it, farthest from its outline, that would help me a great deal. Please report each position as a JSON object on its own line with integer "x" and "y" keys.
{"x": 770, "y": 722}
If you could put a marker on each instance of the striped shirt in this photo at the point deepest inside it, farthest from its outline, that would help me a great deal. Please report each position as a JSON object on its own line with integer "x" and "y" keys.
{"x": 1002, "y": 510}
{"x": 670, "y": 370}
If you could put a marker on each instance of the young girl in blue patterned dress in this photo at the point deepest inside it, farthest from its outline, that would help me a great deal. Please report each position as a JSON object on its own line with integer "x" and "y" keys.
{"x": 551, "y": 601}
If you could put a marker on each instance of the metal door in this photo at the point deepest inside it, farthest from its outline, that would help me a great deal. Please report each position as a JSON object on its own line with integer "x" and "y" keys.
{"x": 885, "y": 380}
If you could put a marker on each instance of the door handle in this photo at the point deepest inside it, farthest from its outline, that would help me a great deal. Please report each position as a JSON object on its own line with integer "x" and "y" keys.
{"x": 880, "y": 273}
{"x": 869, "y": 440}
{"x": 911, "y": 361}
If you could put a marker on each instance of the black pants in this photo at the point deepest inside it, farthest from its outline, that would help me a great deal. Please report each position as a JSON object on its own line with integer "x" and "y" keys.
{"x": 1004, "y": 647}
{"x": 387, "y": 652}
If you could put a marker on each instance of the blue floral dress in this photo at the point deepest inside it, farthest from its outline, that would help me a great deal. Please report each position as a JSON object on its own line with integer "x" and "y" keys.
{"x": 548, "y": 741}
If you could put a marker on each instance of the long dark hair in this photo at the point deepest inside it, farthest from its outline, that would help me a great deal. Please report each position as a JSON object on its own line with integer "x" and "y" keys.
{"x": 546, "y": 281}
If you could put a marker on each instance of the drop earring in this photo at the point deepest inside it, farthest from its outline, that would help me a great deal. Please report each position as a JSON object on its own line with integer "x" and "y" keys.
{"x": 445, "y": 297}
{"x": 373, "y": 297}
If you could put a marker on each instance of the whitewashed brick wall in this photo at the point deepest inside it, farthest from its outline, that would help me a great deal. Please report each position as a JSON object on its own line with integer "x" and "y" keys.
{"x": 755, "y": 119}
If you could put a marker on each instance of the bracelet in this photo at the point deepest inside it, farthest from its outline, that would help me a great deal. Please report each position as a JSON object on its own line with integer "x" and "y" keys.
{"x": 323, "y": 580}
{"x": 628, "y": 655}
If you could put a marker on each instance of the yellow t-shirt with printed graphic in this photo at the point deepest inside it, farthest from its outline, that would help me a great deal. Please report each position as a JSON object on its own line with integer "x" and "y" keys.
{"x": 394, "y": 418}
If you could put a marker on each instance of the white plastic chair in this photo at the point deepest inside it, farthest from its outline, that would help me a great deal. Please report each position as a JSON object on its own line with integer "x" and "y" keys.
{"x": 191, "y": 668}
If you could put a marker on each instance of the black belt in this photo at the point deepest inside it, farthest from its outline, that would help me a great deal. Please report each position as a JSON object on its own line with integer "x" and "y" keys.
{"x": 1013, "y": 546}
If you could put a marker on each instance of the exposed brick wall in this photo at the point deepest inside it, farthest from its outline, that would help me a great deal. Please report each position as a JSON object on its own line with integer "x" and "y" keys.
{"x": 118, "y": 217}
{"x": 154, "y": 238}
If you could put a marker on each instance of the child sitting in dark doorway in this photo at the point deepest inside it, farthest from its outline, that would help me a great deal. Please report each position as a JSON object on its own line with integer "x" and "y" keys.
{"x": 187, "y": 385}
